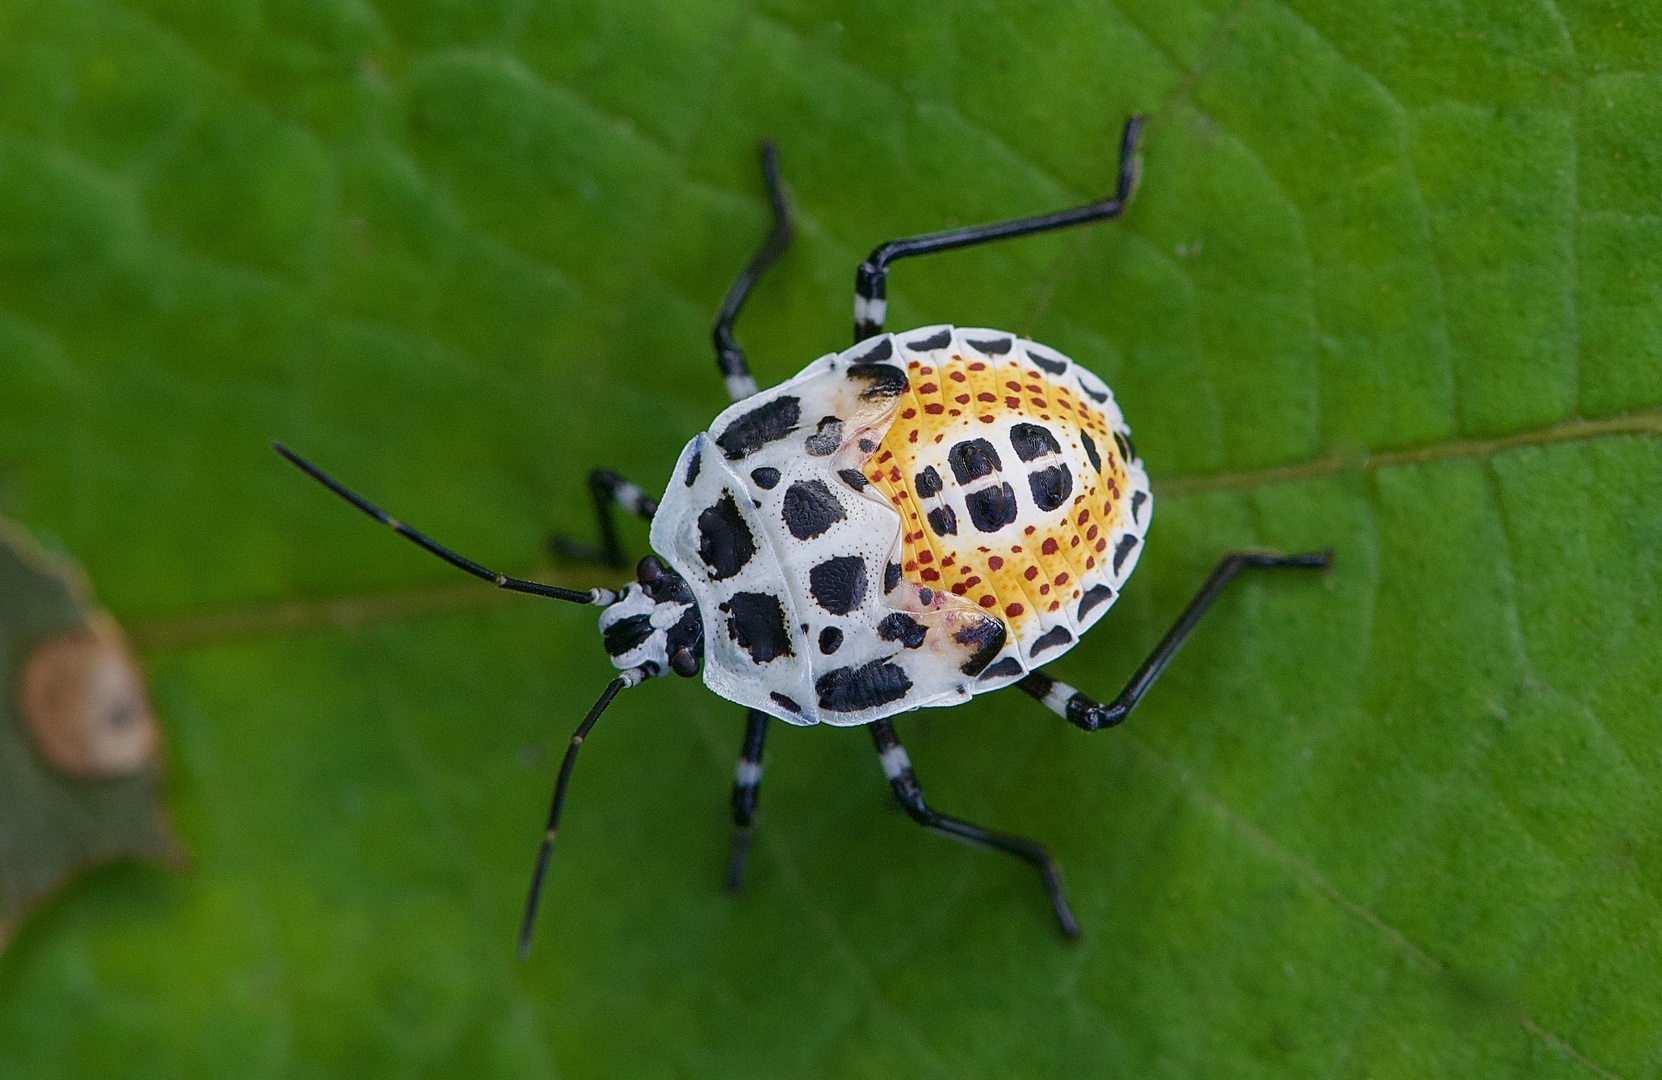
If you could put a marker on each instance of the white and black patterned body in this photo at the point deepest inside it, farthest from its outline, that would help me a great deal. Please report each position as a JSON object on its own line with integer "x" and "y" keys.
{"x": 807, "y": 572}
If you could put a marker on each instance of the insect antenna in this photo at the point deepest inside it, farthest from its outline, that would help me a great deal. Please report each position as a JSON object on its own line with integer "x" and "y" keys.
{"x": 628, "y": 678}
{"x": 601, "y": 597}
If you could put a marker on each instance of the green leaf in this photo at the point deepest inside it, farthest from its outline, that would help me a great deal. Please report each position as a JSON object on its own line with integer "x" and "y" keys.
{"x": 1389, "y": 285}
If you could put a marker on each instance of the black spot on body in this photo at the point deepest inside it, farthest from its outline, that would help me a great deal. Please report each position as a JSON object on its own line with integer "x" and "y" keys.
{"x": 756, "y": 623}
{"x": 784, "y": 702}
{"x": 881, "y": 351}
{"x": 825, "y": 440}
{"x": 1005, "y": 667}
{"x": 810, "y": 509}
{"x": 1050, "y": 639}
{"x": 1092, "y": 394}
{"x": 1054, "y": 365}
{"x": 972, "y": 459}
{"x": 853, "y": 689}
{"x": 1095, "y": 595}
{"x": 766, "y": 477}
{"x": 886, "y": 380}
{"x": 854, "y": 478}
{"x": 692, "y": 469}
{"x": 1090, "y": 452}
{"x": 1051, "y": 487}
{"x": 830, "y": 640}
{"x": 987, "y": 638}
{"x": 1031, "y": 441}
{"x": 1137, "y": 500}
{"x": 944, "y": 520}
{"x": 766, "y": 423}
{"x": 687, "y": 633}
{"x": 1127, "y": 450}
{"x": 724, "y": 540}
{"x": 626, "y": 634}
{"x": 903, "y": 628}
{"x": 990, "y": 509}
{"x": 839, "y": 584}
{"x": 1123, "y": 548}
{"x": 891, "y": 577}
{"x": 933, "y": 341}
{"x": 995, "y": 347}
{"x": 927, "y": 482}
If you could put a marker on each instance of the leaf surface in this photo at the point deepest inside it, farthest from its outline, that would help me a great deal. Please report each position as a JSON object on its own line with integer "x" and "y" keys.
{"x": 1389, "y": 285}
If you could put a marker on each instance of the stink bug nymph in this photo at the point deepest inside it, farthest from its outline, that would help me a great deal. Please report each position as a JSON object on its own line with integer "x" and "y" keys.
{"x": 921, "y": 518}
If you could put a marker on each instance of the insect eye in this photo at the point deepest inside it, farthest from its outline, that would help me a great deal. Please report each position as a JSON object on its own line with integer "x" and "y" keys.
{"x": 649, "y": 569}
{"x": 684, "y": 663}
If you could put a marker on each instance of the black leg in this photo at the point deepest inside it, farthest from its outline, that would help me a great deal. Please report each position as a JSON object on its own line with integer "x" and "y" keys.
{"x": 608, "y": 489}
{"x": 871, "y": 279}
{"x": 735, "y": 370}
{"x": 1078, "y": 709}
{"x": 898, "y": 768}
{"x": 747, "y": 792}
{"x": 603, "y": 597}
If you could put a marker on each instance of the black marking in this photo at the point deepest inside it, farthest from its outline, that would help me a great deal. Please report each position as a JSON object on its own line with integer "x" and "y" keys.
{"x": 995, "y": 347}
{"x": 987, "y": 637}
{"x": 1095, "y": 595}
{"x": 692, "y": 469}
{"x": 867, "y": 446}
{"x": 927, "y": 482}
{"x": 687, "y": 633}
{"x": 1123, "y": 548}
{"x": 765, "y": 423}
{"x": 1007, "y": 666}
{"x": 824, "y": 441}
{"x": 1092, "y": 394}
{"x": 881, "y": 351}
{"x": 1050, "y": 640}
{"x": 1137, "y": 500}
{"x": 854, "y": 478}
{"x": 626, "y": 635}
{"x": 944, "y": 520}
{"x": 1051, "y": 487}
{"x": 830, "y": 640}
{"x": 886, "y": 380}
{"x": 766, "y": 477}
{"x": 852, "y": 689}
{"x": 1054, "y": 365}
{"x": 1031, "y": 441}
{"x": 756, "y": 623}
{"x": 724, "y": 540}
{"x": 1090, "y": 452}
{"x": 903, "y": 628}
{"x": 933, "y": 341}
{"x": 784, "y": 702}
{"x": 972, "y": 459}
{"x": 990, "y": 509}
{"x": 839, "y": 584}
{"x": 1127, "y": 451}
{"x": 810, "y": 509}
{"x": 891, "y": 577}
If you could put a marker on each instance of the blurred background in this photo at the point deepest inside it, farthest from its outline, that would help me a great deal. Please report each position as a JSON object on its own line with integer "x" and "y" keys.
{"x": 1391, "y": 284}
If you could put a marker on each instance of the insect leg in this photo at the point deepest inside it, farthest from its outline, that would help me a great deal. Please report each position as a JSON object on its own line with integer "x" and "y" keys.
{"x": 747, "y": 792}
{"x": 871, "y": 279}
{"x": 735, "y": 370}
{"x": 601, "y": 597}
{"x": 898, "y": 768}
{"x": 607, "y": 489}
{"x": 1078, "y": 709}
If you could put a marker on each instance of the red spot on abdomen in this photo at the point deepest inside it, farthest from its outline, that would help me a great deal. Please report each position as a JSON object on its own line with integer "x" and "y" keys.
{"x": 1014, "y": 610}
{"x": 986, "y": 601}
{"x": 934, "y": 409}
{"x": 1050, "y": 547}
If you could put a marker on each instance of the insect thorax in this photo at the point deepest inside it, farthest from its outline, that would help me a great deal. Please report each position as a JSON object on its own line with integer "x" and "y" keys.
{"x": 922, "y": 518}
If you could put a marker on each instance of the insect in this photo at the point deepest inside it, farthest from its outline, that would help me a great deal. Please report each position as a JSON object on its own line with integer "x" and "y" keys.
{"x": 922, "y": 518}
